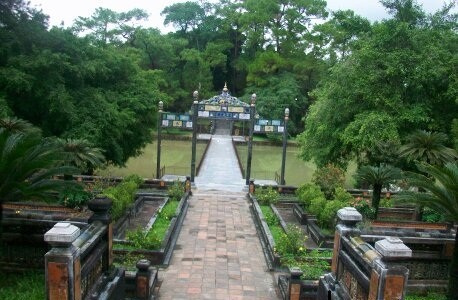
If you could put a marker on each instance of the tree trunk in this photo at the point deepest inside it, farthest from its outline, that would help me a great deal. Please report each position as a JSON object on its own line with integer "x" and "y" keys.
{"x": 376, "y": 198}
{"x": 453, "y": 279}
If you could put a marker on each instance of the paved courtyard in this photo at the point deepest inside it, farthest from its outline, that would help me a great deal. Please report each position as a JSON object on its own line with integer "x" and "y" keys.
{"x": 218, "y": 254}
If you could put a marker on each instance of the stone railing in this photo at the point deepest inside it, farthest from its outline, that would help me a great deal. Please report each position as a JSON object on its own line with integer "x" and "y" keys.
{"x": 358, "y": 270}
{"x": 79, "y": 264}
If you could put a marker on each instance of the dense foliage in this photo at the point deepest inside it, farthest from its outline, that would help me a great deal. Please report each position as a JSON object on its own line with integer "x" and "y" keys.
{"x": 101, "y": 78}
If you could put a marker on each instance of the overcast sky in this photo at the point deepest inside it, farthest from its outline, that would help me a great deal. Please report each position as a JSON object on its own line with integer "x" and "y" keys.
{"x": 68, "y": 10}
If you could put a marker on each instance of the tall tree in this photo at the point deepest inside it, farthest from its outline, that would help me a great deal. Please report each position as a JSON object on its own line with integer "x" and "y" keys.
{"x": 184, "y": 16}
{"x": 108, "y": 26}
{"x": 388, "y": 86}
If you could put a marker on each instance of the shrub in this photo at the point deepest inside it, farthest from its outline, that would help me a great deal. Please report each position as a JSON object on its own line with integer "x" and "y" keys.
{"x": 176, "y": 191}
{"x": 168, "y": 211}
{"x": 430, "y": 215}
{"x": 122, "y": 196}
{"x": 316, "y": 206}
{"x": 363, "y": 207}
{"x": 75, "y": 198}
{"x": 307, "y": 192}
{"x": 271, "y": 218}
{"x": 342, "y": 195}
{"x": 140, "y": 240}
{"x": 267, "y": 196}
{"x": 291, "y": 242}
{"x": 327, "y": 216}
{"x": 386, "y": 202}
{"x": 328, "y": 178}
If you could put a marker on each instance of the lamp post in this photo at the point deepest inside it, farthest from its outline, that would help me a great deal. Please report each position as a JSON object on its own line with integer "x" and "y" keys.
{"x": 285, "y": 136}
{"x": 159, "y": 130}
{"x": 250, "y": 139}
{"x": 194, "y": 134}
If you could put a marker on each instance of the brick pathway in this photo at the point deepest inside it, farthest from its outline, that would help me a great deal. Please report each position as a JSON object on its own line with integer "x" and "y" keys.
{"x": 218, "y": 254}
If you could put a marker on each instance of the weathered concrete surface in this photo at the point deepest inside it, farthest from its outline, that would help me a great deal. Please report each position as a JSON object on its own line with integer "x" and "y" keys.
{"x": 220, "y": 169}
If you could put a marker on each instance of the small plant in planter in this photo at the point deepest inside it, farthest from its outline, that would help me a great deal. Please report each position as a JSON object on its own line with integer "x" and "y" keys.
{"x": 267, "y": 196}
{"x": 176, "y": 191}
{"x": 74, "y": 198}
{"x": 313, "y": 264}
{"x": 291, "y": 242}
{"x": 122, "y": 195}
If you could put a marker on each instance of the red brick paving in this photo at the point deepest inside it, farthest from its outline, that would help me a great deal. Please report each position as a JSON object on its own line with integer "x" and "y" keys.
{"x": 218, "y": 254}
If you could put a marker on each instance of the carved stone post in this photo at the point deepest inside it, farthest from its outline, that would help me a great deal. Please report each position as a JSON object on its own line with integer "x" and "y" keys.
{"x": 295, "y": 284}
{"x": 62, "y": 263}
{"x": 187, "y": 185}
{"x": 144, "y": 279}
{"x": 388, "y": 280}
{"x": 347, "y": 218}
{"x": 252, "y": 187}
{"x": 101, "y": 206}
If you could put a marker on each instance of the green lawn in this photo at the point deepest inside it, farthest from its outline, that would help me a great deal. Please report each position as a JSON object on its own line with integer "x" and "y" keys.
{"x": 175, "y": 156}
{"x": 266, "y": 160}
{"x": 23, "y": 286}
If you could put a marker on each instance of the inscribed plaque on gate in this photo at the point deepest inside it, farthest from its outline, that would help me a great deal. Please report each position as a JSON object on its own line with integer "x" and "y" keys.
{"x": 177, "y": 123}
{"x": 204, "y": 114}
{"x": 213, "y": 107}
{"x": 268, "y": 128}
{"x": 236, "y": 109}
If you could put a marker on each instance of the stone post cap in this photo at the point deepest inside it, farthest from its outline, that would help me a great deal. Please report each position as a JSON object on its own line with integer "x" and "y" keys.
{"x": 296, "y": 273}
{"x": 393, "y": 247}
{"x": 349, "y": 214}
{"x": 62, "y": 234}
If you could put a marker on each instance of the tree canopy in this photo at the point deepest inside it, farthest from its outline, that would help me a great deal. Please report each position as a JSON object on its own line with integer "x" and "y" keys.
{"x": 350, "y": 84}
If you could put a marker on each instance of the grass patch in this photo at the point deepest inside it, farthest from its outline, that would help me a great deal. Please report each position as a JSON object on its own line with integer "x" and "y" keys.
{"x": 152, "y": 240}
{"x": 175, "y": 156}
{"x": 275, "y": 229}
{"x": 23, "y": 286}
{"x": 428, "y": 296}
{"x": 266, "y": 160}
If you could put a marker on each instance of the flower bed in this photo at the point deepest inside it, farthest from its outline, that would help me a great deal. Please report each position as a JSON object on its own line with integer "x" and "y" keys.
{"x": 161, "y": 235}
{"x": 284, "y": 245}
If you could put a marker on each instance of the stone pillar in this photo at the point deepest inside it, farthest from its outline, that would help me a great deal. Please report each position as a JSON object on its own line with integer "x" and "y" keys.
{"x": 187, "y": 185}
{"x": 347, "y": 218}
{"x": 101, "y": 206}
{"x": 252, "y": 188}
{"x": 295, "y": 284}
{"x": 388, "y": 280}
{"x": 62, "y": 263}
{"x": 142, "y": 279}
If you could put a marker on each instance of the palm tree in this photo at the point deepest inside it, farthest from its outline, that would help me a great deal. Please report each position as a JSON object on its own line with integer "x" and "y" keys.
{"x": 439, "y": 191}
{"x": 27, "y": 164}
{"x": 378, "y": 177}
{"x": 81, "y": 154}
{"x": 429, "y": 147}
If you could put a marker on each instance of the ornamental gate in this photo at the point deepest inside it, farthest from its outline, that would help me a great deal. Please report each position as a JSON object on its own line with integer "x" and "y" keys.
{"x": 222, "y": 111}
